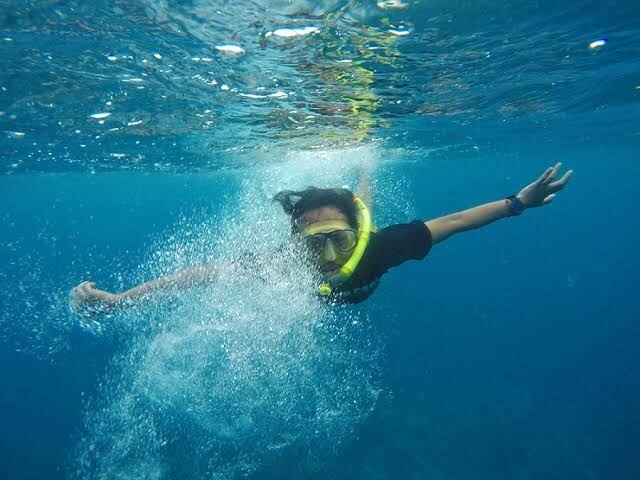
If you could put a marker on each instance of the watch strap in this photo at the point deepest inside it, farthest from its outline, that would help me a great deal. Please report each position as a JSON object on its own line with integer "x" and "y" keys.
{"x": 515, "y": 205}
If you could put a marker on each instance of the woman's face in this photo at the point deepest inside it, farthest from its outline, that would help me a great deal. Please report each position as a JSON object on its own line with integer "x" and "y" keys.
{"x": 330, "y": 258}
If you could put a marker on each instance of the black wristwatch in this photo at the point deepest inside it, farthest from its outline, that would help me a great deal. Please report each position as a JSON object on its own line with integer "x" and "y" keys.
{"x": 515, "y": 205}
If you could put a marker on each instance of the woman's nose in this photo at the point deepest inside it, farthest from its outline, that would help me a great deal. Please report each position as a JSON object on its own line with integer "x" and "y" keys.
{"x": 329, "y": 252}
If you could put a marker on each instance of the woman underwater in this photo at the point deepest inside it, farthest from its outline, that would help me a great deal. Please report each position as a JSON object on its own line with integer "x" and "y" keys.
{"x": 340, "y": 241}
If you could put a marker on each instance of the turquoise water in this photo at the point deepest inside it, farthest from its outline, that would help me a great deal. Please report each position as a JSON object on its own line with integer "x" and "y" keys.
{"x": 139, "y": 138}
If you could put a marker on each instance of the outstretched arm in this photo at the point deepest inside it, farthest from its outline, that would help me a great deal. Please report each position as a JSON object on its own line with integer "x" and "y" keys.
{"x": 539, "y": 193}
{"x": 86, "y": 298}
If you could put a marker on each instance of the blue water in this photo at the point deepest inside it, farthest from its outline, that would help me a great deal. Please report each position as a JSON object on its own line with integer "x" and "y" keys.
{"x": 509, "y": 352}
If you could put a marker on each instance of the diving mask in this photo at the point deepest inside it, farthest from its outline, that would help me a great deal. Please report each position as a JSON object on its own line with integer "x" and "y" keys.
{"x": 315, "y": 236}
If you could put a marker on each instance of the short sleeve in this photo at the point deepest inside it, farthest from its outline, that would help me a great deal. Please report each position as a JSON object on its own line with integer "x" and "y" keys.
{"x": 398, "y": 243}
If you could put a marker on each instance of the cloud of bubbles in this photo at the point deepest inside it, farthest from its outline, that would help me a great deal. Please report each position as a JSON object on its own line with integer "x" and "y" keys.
{"x": 223, "y": 381}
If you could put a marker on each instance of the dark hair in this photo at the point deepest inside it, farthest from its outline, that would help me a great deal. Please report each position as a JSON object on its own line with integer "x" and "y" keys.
{"x": 297, "y": 203}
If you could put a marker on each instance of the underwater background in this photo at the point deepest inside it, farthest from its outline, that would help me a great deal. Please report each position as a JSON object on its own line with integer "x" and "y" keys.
{"x": 140, "y": 137}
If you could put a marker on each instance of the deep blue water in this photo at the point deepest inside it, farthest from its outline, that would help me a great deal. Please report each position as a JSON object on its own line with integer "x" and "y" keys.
{"x": 509, "y": 352}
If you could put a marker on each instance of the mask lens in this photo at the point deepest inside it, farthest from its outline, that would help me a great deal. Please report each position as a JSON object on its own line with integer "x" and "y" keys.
{"x": 344, "y": 240}
{"x": 314, "y": 243}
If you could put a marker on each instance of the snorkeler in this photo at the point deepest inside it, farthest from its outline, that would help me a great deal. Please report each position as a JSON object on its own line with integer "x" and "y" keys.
{"x": 338, "y": 236}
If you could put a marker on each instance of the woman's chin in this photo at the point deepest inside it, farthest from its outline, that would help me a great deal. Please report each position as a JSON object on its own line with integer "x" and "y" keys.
{"x": 329, "y": 269}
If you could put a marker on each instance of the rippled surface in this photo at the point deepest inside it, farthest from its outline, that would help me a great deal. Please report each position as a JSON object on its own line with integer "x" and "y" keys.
{"x": 151, "y": 85}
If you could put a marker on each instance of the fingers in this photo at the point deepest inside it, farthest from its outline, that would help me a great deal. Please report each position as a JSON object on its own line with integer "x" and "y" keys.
{"x": 88, "y": 285}
{"x": 85, "y": 287}
{"x": 552, "y": 174}
{"x": 560, "y": 184}
{"x": 549, "y": 199}
{"x": 544, "y": 176}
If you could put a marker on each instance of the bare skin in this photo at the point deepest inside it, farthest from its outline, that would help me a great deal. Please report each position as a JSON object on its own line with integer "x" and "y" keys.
{"x": 537, "y": 194}
{"x": 85, "y": 297}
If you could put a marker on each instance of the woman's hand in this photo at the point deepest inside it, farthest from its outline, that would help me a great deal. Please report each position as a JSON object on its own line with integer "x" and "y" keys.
{"x": 89, "y": 300}
{"x": 543, "y": 191}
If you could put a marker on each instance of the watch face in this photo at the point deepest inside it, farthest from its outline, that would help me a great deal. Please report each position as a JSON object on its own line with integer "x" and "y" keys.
{"x": 516, "y": 206}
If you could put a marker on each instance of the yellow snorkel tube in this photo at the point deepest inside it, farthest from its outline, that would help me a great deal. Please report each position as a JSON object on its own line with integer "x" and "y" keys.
{"x": 365, "y": 228}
